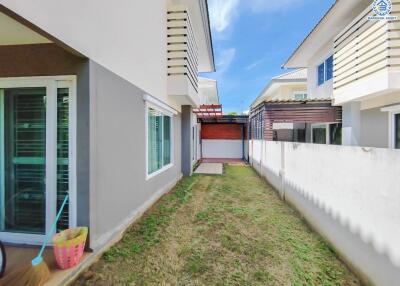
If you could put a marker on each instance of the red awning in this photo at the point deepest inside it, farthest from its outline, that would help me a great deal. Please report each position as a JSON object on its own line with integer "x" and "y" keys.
{"x": 208, "y": 111}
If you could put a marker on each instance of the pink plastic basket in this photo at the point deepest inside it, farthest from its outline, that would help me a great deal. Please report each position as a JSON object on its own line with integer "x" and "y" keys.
{"x": 69, "y": 246}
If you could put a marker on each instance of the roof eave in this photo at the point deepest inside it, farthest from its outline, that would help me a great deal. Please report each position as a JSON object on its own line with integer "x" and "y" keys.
{"x": 289, "y": 62}
{"x": 275, "y": 81}
{"x": 207, "y": 27}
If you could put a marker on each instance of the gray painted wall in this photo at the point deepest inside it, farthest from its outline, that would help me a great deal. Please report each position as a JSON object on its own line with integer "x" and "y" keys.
{"x": 187, "y": 140}
{"x": 83, "y": 145}
{"x": 365, "y": 128}
{"x": 351, "y": 124}
{"x": 119, "y": 189}
{"x": 374, "y": 128}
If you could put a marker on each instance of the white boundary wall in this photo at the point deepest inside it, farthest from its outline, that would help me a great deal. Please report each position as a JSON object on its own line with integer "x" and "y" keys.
{"x": 215, "y": 148}
{"x": 350, "y": 195}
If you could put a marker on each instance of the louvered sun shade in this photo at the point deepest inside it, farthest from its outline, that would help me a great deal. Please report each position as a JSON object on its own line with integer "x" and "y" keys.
{"x": 182, "y": 45}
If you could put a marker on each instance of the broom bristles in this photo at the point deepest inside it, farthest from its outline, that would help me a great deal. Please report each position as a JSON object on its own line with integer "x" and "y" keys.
{"x": 27, "y": 276}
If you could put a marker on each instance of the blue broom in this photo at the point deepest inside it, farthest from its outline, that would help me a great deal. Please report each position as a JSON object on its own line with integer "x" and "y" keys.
{"x": 37, "y": 273}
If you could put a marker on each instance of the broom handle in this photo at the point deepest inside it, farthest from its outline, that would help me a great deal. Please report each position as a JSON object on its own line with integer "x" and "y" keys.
{"x": 53, "y": 227}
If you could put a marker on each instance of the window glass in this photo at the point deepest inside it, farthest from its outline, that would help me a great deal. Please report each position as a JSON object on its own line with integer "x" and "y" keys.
{"x": 159, "y": 140}
{"x": 194, "y": 143}
{"x": 300, "y": 96}
{"x": 319, "y": 134}
{"x": 335, "y": 134}
{"x": 167, "y": 140}
{"x": 329, "y": 68}
{"x": 299, "y": 133}
{"x": 154, "y": 141}
{"x": 321, "y": 74}
{"x": 62, "y": 154}
{"x": 397, "y": 131}
{"x": 24, "y": 150}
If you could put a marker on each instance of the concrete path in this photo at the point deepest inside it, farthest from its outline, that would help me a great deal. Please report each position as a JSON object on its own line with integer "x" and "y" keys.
{"x": 210, "y": 169}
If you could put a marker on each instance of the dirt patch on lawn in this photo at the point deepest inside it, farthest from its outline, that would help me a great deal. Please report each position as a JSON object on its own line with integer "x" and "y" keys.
{"x": 220, "y": 230}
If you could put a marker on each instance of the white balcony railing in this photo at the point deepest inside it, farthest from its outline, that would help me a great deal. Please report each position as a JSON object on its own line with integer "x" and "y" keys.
{"x": 367, "y": 57}
{"x": 182, "y": 57}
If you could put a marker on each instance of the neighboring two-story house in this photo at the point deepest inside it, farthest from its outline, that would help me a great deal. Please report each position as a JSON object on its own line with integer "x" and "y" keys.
{"x": 96, "y": 100}
{"x": 355, "y": 60}
{"x": 286, "y": 111}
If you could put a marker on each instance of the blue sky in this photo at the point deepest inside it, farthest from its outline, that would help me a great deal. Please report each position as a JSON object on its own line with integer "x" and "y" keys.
{"x": 252, "y": 39}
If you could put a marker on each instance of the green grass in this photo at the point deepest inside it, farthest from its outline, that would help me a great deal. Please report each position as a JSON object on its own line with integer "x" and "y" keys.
{"x": 221, "y": 230}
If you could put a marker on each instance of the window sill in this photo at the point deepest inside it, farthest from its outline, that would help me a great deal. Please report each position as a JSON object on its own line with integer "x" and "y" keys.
{"x": 156, "y": 173}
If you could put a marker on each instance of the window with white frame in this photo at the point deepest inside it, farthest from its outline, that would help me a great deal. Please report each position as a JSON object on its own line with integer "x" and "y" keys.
{"x": 159, "y": 140}
{"x": 325, "y": 71}
{"x": 327, "y": 133}
{"x": 300, "y": 95}
{"x": 319, "y": 133}
{"x": 37, "y": 156}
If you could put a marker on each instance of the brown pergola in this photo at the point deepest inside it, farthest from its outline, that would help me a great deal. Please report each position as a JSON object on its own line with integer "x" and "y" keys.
{"x": 209, "y": 111}
{"x": 295, "y": 111}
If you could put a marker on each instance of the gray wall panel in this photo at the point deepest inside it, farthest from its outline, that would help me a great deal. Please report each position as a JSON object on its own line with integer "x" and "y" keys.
{"x": 374, "y": 128}
{"x": 118, "y": 178}
{"x": 83, "y": 145}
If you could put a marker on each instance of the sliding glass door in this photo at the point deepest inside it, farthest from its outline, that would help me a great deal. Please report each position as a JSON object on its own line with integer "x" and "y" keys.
{"x": 36, "y": 170}
{"x": 24, "y": 159}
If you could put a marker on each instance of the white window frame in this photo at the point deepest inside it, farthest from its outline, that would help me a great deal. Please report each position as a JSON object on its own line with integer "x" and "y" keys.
{"x": 298, "y": 92}
{"x": 328, "y": 131}
{"x": 325, "y": 68}
{"x": 51, "y": 83}
{"x": 392, "y": 112}
{"x": 325, "y": 77}
{"x": 323, "y": 64}
{"x": 313, "y": 125}
{"x": 151, "y": 102}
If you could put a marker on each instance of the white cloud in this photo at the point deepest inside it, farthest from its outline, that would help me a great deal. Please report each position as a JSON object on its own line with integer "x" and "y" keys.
{"x": 255, "y": 64}
{"x": 271, "y": 6}
{"x": 222, "y": 13}
{"x": 225, "y": 59}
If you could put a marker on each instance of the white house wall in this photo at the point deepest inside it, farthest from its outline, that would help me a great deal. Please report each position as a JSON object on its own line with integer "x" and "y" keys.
{"x": 229, "y": 149}
{"x": 127, "y": 37}
{"x": 326, "y": 89}
{"x": 348, "y": 194}
{"x": 287, "y": 91}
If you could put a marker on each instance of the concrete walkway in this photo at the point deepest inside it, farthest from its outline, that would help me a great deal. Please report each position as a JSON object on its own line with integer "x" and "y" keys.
{"x": 210, "y": 169}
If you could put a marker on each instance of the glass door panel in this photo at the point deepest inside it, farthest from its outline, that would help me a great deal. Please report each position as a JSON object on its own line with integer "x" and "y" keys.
{"x": 154, "y": 140}
{"x": 24, "y": 145}
{"x": 62, "y": 154}
{"x": 319, "y": 134}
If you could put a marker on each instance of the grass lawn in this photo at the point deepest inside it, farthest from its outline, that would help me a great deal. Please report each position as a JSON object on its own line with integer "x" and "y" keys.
{"x": 220, "y": 230}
